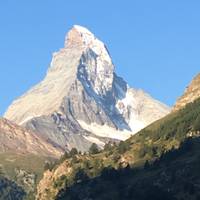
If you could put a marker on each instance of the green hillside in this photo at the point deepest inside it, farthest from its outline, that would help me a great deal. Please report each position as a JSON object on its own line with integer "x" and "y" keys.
{"x": 163, "y": 160}
{"x": 176, "y": 175}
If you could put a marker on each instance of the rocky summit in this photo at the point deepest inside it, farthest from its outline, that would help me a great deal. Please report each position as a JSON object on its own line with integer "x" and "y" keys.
{"x": 81, "y": 100}
{"x": 191, "y": 93}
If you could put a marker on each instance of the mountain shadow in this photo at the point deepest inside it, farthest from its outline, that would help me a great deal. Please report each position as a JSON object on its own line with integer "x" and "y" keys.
{"x": 9, "y": 190}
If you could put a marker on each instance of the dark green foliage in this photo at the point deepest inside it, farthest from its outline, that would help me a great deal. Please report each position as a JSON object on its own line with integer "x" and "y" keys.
{"x": 1, "y": 171}
{"x": 74, "y": 160}
{"x": 10, "y": 191}
{"x": 97, "y": 167}
{"x": 189, "y": 188}
{"x": 123, "y": 147}
{"x": 146, "y": 150}
{"x": 116, "y": 157}
{"x": 109, "y": 173}
{"x": 80, "y": 175}
{"x": 94, "y": 149}
{"x": 60, "y": 181}
{"x": 196, "y": 124}
{"x": 146, "y": 165}
{"x": 73, "y": 152}
{"x": 141, "y": 152}
{"x": 87, "y": 165}
{"x": 108, "y": 146}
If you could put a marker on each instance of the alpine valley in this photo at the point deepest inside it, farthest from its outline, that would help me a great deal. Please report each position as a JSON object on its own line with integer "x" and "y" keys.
{"x": 83, "y": 133}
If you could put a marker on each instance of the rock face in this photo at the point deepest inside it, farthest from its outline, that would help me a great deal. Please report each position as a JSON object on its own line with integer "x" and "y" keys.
{"x": 191, "y": 93}
{"x": 81, "y": 100}
{"x": 14, "y": 138}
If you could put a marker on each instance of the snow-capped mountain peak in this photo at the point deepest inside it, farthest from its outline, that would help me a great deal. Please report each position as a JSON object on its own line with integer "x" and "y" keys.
{"x": 82, "y": 94}
{"x": 79, "y": 35}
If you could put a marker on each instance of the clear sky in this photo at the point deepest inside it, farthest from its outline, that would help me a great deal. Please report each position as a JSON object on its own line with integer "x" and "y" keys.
{"x": 155, "y": 45}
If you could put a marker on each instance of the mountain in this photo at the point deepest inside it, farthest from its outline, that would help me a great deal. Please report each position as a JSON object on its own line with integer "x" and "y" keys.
{"x": 159, "y": 162}
{"x": 191, "y": 93}
{"x": 14, "y": 138}
{"x": 81, "y": 100}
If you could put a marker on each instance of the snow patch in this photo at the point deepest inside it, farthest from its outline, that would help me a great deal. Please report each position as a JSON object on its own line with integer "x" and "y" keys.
{"x": 128, "y": 107}
{"x": 95, "y": 140}
{"x": 105, "y": 131}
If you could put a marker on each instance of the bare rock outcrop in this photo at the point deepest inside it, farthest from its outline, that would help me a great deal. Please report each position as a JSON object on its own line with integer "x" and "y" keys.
{"x": 191, "y": 93}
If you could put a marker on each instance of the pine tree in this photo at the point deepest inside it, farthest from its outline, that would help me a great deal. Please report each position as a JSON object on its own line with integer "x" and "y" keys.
{"x": 73, "y": 152}
{"x": 94, "y": 149}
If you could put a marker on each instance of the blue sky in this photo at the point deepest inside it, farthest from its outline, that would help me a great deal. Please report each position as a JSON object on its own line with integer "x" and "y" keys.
{"x": 155, "y": 44}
